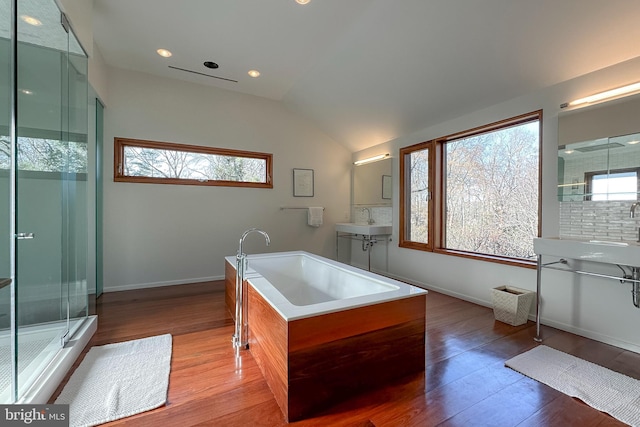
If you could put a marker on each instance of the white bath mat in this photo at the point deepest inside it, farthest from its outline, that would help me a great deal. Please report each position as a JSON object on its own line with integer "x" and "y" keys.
{"x": 118, "y": 380}
{"x": 603, "y": 389}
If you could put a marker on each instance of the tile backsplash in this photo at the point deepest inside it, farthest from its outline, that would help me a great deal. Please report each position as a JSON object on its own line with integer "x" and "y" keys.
{"x": 606, "y": 220}
{"x": 379, "y": 214}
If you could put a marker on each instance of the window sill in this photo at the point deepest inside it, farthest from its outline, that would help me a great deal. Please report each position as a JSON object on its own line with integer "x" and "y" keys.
{"x": 516, "y": 262}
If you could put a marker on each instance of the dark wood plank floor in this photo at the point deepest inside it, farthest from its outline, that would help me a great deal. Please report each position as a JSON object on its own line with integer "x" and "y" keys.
{"x": 466, "y": 383}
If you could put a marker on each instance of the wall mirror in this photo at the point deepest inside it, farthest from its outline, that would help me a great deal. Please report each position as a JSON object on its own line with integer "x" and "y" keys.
{"x": 372, "y": 183}
{"x": 599, "y": 170}
{"x": 599, "y": 152}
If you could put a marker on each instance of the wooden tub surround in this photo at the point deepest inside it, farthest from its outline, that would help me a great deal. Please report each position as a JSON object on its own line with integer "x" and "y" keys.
{"x": 313, "y": 362}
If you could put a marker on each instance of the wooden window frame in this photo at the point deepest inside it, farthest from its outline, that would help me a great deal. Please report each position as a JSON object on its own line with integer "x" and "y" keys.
{"x": 119, "y": 145}
{"x": 437, "y": 203}
{"x": 404, "y": 241}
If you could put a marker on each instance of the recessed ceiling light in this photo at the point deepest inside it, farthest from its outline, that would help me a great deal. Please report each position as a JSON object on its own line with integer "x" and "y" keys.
{"x": 633, "y": 142}
{"x": 164, "y": 53}
{"x": 31, "y": 20}
{"x": 568, "y": 151}
{"x": 302, "y": 1}
{"x": 210, "y": 64}
{"x": 254, "y": 73}
{"x": 26, "y": 91}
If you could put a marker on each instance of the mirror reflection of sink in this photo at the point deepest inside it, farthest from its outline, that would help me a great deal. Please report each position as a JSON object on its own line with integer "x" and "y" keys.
{"x": 612, "y": 252}
{"x": 366, "y": 229}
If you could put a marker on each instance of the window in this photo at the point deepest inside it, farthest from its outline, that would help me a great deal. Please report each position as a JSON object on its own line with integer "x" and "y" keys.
{"x": 619, "y": 184}
{"x": 167, "y": 163}
{"x": 416, "y": 201}
{"x": 46, "y": 153}
{"x": 474, "y": 193}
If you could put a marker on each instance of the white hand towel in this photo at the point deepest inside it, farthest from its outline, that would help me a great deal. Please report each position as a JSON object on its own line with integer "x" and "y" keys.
{"x": 314, "y": 217}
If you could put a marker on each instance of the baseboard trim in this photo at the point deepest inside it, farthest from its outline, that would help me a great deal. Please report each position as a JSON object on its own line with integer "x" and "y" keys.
{"x": 134, "y": 286}
{"x": 543, "y": 320}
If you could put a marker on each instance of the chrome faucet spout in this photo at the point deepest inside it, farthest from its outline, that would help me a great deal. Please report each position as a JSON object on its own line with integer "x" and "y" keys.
{"x": 246, "y": 233}
{"x": 240, "y": 337}
{"x": 369, "y": 219}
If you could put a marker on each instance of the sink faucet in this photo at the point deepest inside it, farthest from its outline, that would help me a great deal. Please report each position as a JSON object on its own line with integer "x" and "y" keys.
{"x": 369, "y": 219}
{"x": 240, "y": 339}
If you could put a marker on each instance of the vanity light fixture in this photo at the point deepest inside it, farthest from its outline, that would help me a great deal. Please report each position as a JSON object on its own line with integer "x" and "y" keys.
{"x": 371, "y": 159}
{"x": 302, "y": 1}
{"x": 254, "y": 73}
{"x": 624, "y": 90}
{"x": 164, "y": 53}
{"x": 31, "y": 20}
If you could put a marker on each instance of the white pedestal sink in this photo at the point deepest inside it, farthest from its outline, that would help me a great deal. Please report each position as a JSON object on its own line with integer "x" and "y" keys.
{"x": 611, "y": 252}
{"x": 365, "y": 229}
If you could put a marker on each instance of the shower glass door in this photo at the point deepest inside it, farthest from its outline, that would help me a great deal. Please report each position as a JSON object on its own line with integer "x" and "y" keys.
{"x": 50, "y": 202}
{"x": 6, "y": 263}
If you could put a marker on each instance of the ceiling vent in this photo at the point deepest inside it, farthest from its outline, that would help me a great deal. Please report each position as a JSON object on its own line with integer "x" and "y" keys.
{"x": 598, "y": 147}
{"x": 203, "y": 74}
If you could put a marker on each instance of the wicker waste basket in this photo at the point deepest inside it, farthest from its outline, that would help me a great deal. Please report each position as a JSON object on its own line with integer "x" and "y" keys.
{"x": 511, "y": 305}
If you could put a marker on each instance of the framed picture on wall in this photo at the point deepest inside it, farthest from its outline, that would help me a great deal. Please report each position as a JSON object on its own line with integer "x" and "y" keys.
{"x": 303, "y": 183}
{"x": 386, "y": 186}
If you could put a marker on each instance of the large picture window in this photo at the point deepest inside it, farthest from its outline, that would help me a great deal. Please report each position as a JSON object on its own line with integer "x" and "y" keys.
{"x": 167, "y": 163}
{"x": 476, "y": 194}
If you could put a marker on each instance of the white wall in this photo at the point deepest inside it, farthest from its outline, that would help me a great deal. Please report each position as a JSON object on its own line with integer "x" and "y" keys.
{"x": 600, "y": 309}
{"x": 164, "y": 234}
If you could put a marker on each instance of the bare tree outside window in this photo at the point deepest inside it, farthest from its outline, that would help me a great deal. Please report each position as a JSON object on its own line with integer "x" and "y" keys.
{"x": 474, "y": 193}
{"x": 45, "y": 155}
{"x": 152, "y": 162}
{"x": 491, "y": 190}
{"x": 419, "y": 222}
{"x": 156, "y": 162}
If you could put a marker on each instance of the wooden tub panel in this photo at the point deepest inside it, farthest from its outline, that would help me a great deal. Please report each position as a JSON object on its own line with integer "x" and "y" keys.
{"x": 367, "y": 351}
{"x": 327, "y": 374}
{"x": 311, "y": 331}
{"x": 268, "y": 344}
{"x": 230, "y": 288}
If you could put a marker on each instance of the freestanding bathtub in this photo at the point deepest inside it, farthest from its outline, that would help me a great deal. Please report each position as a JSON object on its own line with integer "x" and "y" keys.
{"x": 322, "y": 331}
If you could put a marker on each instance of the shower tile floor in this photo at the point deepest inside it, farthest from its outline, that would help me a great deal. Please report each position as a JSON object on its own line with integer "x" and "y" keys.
{"x": 36, "y": 346}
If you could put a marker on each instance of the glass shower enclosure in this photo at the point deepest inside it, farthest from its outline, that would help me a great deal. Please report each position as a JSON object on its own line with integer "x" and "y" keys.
{"x": 43, "y": 191}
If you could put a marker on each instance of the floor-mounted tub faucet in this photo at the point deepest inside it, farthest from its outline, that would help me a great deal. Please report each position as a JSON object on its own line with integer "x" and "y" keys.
{"x": 240, "y": 338}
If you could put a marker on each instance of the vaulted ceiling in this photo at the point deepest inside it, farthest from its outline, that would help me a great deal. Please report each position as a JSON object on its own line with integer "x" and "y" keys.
{"x": 367, "y": 71}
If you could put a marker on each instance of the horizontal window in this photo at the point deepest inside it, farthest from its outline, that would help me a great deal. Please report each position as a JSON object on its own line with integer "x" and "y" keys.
{"x": 474, "y": 193}
{"x": 168, "y": 163}
{"x": 45, "y": 155}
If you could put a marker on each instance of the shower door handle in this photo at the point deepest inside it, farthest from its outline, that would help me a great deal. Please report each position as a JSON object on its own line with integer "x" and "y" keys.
{"x": 25, "y": 236}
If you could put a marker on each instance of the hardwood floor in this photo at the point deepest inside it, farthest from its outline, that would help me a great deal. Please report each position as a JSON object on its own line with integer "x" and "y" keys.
{"x": 466, "y": 383}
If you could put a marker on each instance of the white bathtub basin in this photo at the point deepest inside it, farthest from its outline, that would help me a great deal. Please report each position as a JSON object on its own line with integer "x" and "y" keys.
{"x": 611, "y": 252}
{"x": 299, "y": 284}
{"x": 365, "y": 229}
